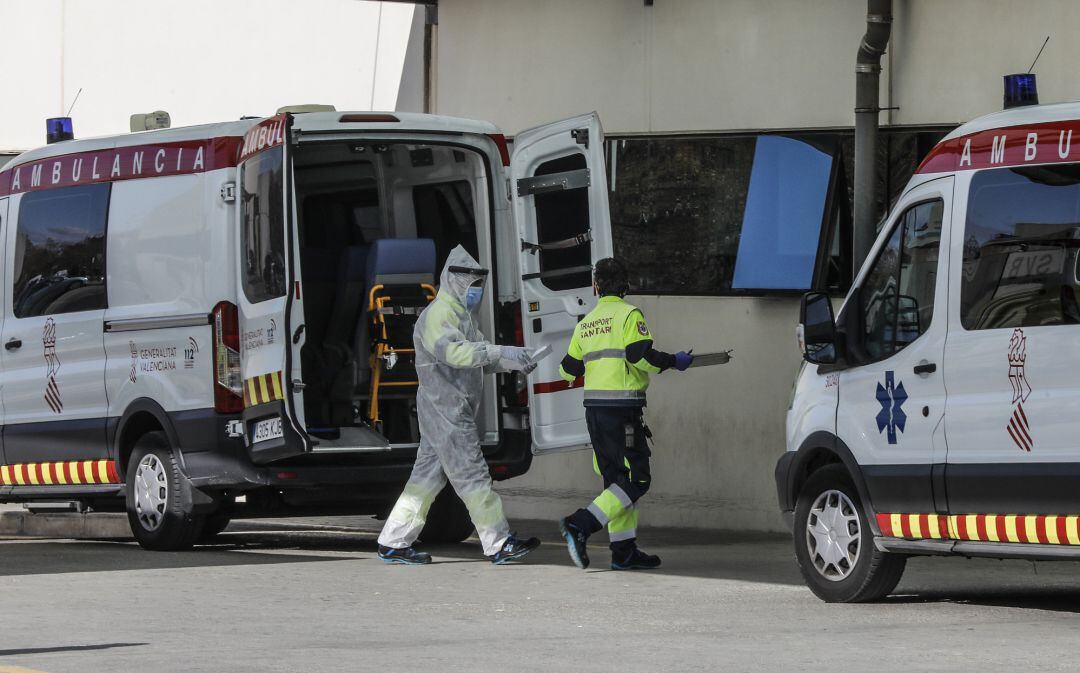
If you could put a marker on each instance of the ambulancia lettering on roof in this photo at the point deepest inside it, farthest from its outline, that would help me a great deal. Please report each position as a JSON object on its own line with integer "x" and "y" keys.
{"x": 1047, "y": 143}
{"x": 266, "y": 134}
{"x": 120, "y": 163}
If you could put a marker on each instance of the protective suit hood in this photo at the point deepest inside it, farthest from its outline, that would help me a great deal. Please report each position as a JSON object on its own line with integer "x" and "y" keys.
{"x": 455, "y": 284}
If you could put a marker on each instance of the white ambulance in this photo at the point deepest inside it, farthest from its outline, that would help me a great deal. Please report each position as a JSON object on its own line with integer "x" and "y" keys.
{"x": 937, "y": 414}
{"x": 207, "y": 321}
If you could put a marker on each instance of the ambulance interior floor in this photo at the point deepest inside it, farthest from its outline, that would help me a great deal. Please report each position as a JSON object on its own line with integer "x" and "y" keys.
{"x": 310, "y": 595}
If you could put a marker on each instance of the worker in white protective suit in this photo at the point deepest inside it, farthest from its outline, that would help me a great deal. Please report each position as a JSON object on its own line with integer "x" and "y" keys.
{"x": 452, "y": 358}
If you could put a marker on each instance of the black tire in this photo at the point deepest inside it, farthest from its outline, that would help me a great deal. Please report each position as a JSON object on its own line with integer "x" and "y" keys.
{"x": 872, "y": 575}
{"x": 448, "y": 520}
{"x": 213, "y": 525}
{"x": 171, "y": 524}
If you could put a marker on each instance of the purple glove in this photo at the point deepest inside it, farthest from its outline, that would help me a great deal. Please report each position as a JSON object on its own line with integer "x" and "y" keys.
{"x": 683, "y": 360}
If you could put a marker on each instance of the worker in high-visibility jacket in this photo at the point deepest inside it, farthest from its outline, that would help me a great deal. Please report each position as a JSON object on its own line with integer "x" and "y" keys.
{"x": 613, "y": 349}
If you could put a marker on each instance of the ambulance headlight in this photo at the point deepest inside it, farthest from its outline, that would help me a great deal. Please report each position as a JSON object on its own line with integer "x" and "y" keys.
{"x": 58, "y": 129}
{"x": 1020, "y": 90}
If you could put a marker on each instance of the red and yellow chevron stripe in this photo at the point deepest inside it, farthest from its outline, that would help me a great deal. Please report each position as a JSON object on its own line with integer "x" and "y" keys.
{"x": 1025, "y": 528}
{"x": 73, "y": 472}
{"x": 262, "y": 389}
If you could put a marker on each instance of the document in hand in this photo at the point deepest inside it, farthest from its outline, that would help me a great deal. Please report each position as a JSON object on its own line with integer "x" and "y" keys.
{"x": 540, "y": 353}
{"x": 709, "y": 359}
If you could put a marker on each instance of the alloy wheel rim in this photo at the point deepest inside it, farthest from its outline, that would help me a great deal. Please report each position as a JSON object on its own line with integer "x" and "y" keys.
{"x": 833, "y": 535}
{"x": 151, "y": 492}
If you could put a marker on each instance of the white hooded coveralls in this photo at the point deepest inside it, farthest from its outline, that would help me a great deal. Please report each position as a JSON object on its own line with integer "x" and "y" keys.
{"x": 452, "y": 357}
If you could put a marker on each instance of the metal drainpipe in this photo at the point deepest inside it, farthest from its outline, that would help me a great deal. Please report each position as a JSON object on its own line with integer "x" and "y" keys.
{"x": 867, "y": 73}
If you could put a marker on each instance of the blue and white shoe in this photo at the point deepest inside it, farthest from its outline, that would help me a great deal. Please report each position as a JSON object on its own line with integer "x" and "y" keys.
{"x": 575, "y": 543}
{"x": 407, "y": 556}
{"x": 514, "y": 549}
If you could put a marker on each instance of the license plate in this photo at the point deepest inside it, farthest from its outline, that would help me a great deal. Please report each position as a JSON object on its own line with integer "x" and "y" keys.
{"x": 269, "y": 428}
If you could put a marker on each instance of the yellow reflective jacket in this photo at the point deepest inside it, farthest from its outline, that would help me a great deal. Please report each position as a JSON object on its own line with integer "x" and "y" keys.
{"x": 612, "y": 348}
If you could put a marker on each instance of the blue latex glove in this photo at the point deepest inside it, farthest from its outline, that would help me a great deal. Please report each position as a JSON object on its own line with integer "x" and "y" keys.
{"x": 683, "y": 360}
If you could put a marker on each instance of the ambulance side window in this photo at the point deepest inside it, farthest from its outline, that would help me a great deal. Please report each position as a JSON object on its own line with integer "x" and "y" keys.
{"x": 897, "y": 295}
{"x": 262, "y": 203}
{"x": 1022, "y": 248}
{"x": 59, "y": 261}
{"x": 560, "y": 216}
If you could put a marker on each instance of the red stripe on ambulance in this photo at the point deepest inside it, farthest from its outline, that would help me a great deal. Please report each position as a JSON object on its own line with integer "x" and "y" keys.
{"x": 121, "y": 163}
{"x": 1027, "y": 144}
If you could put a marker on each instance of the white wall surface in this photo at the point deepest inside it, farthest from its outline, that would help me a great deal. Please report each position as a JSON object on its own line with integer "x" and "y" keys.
{"x": 201, "y": 60}
{"x": 692, "y": 65}
{"x": 949, "y": 57}
{"x": 679, "y": 65}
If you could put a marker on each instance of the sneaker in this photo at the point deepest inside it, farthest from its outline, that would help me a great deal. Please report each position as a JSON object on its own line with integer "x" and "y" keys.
{"x": 407, "y": 556}
{"x": 636, "y": 560}
{"x": 514, "y": 549}
{"x": 575, "y": 543}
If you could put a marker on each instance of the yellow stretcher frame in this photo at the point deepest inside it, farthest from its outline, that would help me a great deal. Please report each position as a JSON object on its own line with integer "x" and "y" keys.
{"x": 381, "y": 334}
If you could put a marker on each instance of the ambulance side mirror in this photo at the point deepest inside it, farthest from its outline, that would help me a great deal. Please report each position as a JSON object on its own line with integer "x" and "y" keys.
{"x": 817, "y": 329}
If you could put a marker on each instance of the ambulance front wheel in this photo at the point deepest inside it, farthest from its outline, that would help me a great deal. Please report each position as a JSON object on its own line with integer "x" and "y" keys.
{"x": 448, "y": 520}
{"x": 834, "y": 544}
{"x": 159, "y": 500}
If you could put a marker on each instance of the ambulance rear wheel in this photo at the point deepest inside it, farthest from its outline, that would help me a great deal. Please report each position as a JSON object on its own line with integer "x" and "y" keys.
{"x": 448, "y": 520}
{"x": 834, "y": 544}
{"x": 159, "y": 503}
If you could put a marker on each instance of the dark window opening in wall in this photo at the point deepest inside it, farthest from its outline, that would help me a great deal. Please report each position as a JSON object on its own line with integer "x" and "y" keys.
{"x": 746, "y": 214}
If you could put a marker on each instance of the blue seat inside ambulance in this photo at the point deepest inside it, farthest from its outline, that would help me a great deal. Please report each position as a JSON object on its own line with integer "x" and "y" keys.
{"x": 398, "y": 261}
{"x": 401, "y": 277}
{"x": 394, "y": 262}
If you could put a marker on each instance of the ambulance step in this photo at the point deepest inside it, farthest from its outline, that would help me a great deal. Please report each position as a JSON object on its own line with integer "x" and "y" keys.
{"x": 353, "y": 439}
{"x": 52, "y": 507}
{"x": 50, "y": 493}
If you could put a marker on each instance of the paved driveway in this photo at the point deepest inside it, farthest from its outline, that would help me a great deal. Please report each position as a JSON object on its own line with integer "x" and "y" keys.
{"x": 306, "y": 599}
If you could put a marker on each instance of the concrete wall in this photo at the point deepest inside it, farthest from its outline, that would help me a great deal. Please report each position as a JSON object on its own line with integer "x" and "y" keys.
{"x": 686, "y": 65}
{"x": 202, "y": 60}
{"x": 676, "y": 66}
{"x": 949, "y": 57}
{"x": 701, "y": 65}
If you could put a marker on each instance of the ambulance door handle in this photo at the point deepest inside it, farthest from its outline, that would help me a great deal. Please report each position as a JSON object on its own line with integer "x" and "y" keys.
{"x": 924, "y": 368}
{"x": 13, "y": 344}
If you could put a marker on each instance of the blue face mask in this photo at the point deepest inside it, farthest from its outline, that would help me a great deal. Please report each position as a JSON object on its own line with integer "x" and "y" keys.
{"x": 473, "y": 296}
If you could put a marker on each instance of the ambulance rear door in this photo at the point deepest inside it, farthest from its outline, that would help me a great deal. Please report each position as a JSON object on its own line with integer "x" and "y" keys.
{"x": 560, "y": 205}
{"x": 268, "y": 295}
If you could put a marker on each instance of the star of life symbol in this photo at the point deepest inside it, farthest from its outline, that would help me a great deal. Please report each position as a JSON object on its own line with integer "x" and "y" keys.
{"x": 891, "y": 396}
{"x": 1018, "y": 427}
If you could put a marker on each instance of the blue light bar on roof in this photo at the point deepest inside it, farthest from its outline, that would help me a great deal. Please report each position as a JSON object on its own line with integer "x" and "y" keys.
{"x": 1020, "y": 90}
{"x": 57, "y": 129}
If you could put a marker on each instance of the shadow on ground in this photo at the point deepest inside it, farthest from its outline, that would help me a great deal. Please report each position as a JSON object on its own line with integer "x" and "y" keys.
{"x": 67, "y": 648}
{"x": 709, "y": 555}
{"x": 51, "y": 558}
{"x": 753, "y": 557}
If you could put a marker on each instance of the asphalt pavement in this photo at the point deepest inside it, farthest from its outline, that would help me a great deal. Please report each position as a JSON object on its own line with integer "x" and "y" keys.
{"x": 311, "y": 596}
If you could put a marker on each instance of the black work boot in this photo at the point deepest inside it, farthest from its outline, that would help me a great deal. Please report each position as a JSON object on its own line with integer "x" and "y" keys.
{"x": 575, "y": 542}
{"x": 407, "y": 556}
{"x": 514, "y": 549}
{"x": 634, "y": 559}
